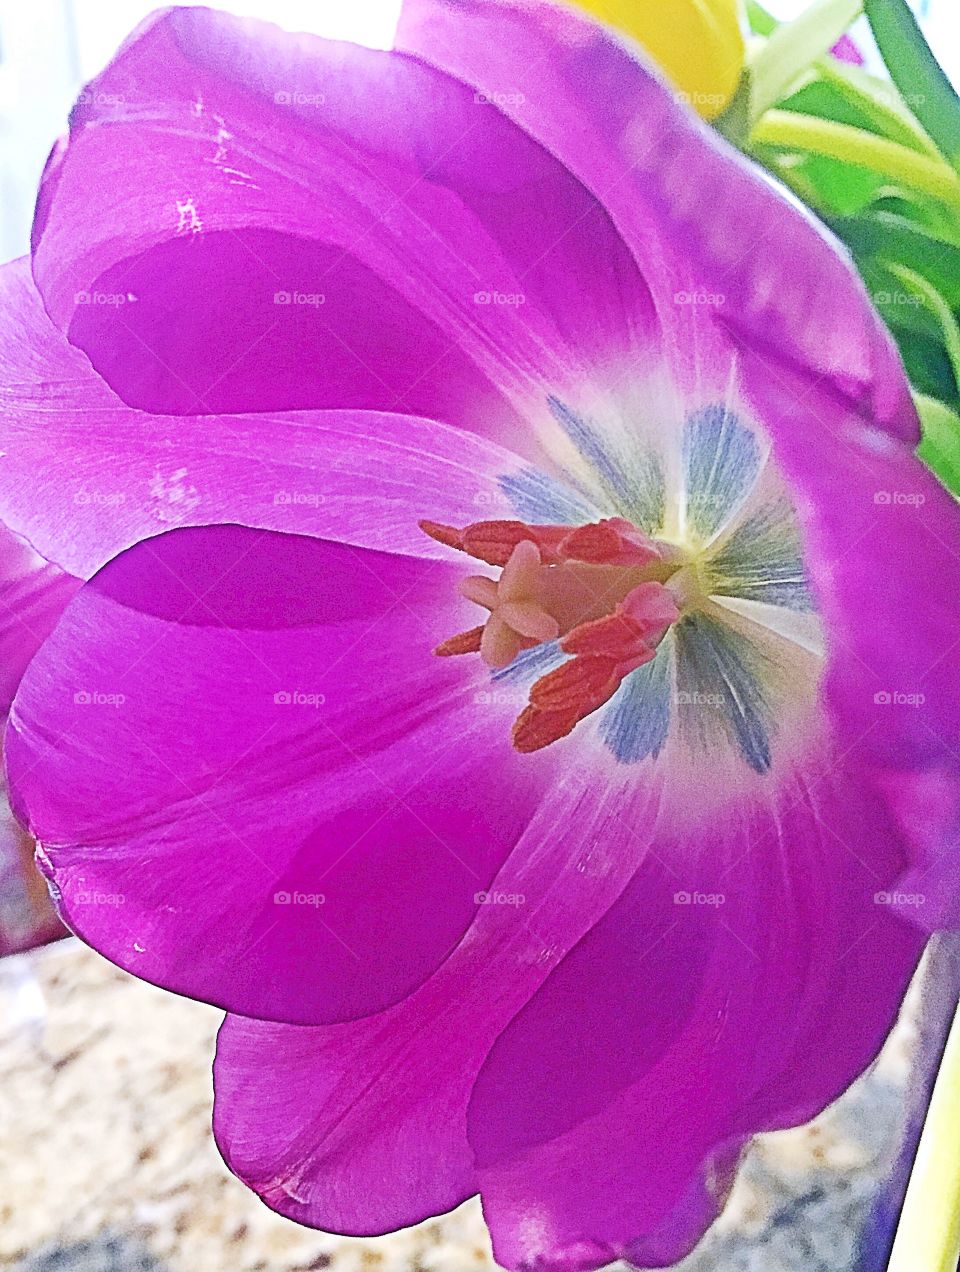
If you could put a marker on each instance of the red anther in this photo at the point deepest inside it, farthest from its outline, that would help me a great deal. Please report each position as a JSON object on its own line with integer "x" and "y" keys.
{"x": 598, "y": 544}
{"x": 494, "y": 541}
{"x": 605, "y": 651}
{"x": 449, "y": 536}
{"x": 633, "y": 629}
{"x": 575, "y": 685}
{"x": 464, "y": 643}
{"x": 613, "y": 541}
{"x": 616, "y": 636}
{"x": 563, "y": 697}
{"x": 534, "y": 729}
{"x": 635, "y": 542}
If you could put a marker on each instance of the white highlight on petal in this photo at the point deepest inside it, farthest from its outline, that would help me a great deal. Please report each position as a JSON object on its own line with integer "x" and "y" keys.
{"x": 803, "y": 628}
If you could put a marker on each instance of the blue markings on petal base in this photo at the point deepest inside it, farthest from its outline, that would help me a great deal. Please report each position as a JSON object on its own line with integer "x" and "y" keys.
{"x": 587, "y": 440}
{"x": 719, "y": 698}
{"x": 635, "y": 486}
{"x": 637, "y": 721}
{"x": 722, "y": 461}
{"x": 529, "y": 665}
{"x": 720, "y": 681}
{"x": 540, "y": 499}
{"x": 763, "y": 561}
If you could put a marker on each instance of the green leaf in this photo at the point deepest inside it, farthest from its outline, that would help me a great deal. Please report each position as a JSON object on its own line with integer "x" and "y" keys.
{"x": 917, "y": 73}
{"x": 832, "y": 188}
{"x": 927, "y": 215}
{"x": 929, "y": 296}
{"x": 891, "y": 237}
{"x": 872, "y": 103}
{"x": 940, "y": 448}
{"x": 761, "y": 22}
{"x": 793, "y": 47}
{"x": 899, "y": 305}
{"x": 927, "y": 364}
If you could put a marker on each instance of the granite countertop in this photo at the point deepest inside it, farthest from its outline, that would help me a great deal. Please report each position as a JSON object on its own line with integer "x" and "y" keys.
{"x": 107, "y": 1163}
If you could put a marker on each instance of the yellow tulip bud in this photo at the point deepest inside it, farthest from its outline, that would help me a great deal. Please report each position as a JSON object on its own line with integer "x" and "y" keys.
{"x": 698, "y": 44}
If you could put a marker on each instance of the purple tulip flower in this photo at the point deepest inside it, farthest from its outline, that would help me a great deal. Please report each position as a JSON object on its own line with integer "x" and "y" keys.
{"x": 327, "y": 362}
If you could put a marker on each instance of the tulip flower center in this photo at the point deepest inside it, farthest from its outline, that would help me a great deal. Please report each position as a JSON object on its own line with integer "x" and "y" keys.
{"x": 605, "y": 592}
{"x": 665, "y": 597}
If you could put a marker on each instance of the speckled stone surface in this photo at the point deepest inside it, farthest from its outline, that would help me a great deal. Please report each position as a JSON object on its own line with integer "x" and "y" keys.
{"x": 107, "y": 1163}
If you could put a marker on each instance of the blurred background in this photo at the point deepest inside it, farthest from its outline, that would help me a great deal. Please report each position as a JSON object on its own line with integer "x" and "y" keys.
{"x": 106, "y": 1161}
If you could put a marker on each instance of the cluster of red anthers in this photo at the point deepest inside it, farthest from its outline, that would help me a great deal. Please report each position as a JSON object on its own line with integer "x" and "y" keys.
{"x": 603, "y": 649}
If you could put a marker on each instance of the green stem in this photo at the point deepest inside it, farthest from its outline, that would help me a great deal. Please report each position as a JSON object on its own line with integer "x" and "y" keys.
{"x": 928, "y": 1235}
{"x": 794, "y": 131}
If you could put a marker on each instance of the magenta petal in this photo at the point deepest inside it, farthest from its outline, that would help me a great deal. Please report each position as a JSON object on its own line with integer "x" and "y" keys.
{"x": 883, "y": 553}
{"x": 684, "y": 200}
{"x": 118, "y": 475}
{"x": 845, "y": 50}
{"x": 335, "y": 1127}
{"x": 380, "y": 236}
{"x": 251, "y": 780}
{"x": 33, "y": 595}
{"x": 361, "y": 1127}
{"x": 745, "y": 978}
